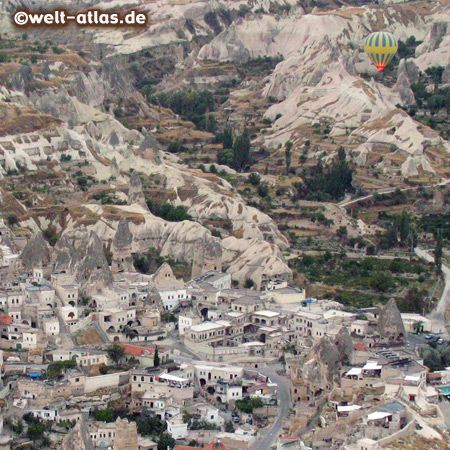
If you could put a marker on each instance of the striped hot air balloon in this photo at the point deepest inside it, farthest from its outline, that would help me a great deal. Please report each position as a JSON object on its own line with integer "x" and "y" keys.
{"x": 381, "y": 47}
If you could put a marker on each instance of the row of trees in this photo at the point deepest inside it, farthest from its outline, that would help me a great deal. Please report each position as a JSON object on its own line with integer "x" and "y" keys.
{"x": 235, "y": 151}
{"x": 325, "y": 184}
{"x": 194, "y": 106}
{"x": 400, "y": 232}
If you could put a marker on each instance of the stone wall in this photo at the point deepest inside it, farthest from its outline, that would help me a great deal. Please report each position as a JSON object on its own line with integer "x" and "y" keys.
{"x": 112, "y": 380}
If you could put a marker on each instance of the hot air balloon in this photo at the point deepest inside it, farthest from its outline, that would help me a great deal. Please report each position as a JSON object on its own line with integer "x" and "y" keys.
{"x": 381, "y": 47}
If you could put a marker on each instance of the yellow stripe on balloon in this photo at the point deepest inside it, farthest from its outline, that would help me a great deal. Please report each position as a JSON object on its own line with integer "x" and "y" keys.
{"x": 381, "y": 48}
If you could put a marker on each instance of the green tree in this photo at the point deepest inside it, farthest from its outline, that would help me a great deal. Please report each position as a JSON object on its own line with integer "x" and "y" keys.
{"x": 447, "y": 100}
{"x": 435, "y": 73}
{"x": 156, "y": 358}
{"x": 288, "y": 156}
{"x": 254, "y": 179}
{"x": 436, "y": 102}
{"x": 241, "y": 150}
{"x": 12, "y": 219}
{"x": 382, "y": 282}
{"x": 116, "y": 353}
{"x": 166, "y": 441}
{"x": 19, "y": 427}
{"x": 226, "y": 138}
{"x": 226, "y": 157}
{"x": 342, "y": 232}
{"x": 438, "y": 251}
{"x": 263, "y": 190}
{"x": 249, "y": 283}
{"x": 128, "y": 332}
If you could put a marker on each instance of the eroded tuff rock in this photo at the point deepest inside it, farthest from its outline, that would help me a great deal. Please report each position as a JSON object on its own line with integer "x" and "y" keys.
{"x": 36, "y": 252}
{"x": 21, "y": 79}
{"x": 344, "y": 345}
{"x": 390, "y": 323}
{"x": 403, "y": 87}
{"x": 80, "y": 252}
{"x": 164, "y": 278}
{"x": 150, "y": 149}
{"x": 121, "y": 247}
{"x": 438, "y": 31}
{"x": 207, "y": 256}
{"x": 322, "y": 365}
{"x": 77, "y": 439}
{"x": 126, "y": 435}
{"x": 123, "y": 237}
{"x": 409, "y": 68}
{"x": 135, "y": 193}
{"x": 254, "y": 259}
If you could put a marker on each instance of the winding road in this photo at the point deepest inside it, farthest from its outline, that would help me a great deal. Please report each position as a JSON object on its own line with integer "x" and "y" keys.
{"x": 268, "y": 437}
{"x": 348, "y": 202}
{"x": 437, "y": 316}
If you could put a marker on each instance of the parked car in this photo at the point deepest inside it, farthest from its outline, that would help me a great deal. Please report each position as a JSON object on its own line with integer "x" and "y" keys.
{"x": 429, "y": 336}
{"x": 440, "y": 341}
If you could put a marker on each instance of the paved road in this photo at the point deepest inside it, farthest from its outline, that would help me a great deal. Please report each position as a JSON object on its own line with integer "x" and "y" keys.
{"x": 268, "y": 437}
{"x": 414, "y": 341}
{"x": 437, "y": 316}
{"x": 348, "y": 202}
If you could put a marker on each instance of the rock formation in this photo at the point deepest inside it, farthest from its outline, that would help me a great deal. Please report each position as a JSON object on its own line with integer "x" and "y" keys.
{"x": 122, "y": 258}
{"x": 21, "y": 79}
{"x": 403, "y": 87}
{"x": 135, "y": 193}
{"x": 36, "y": 252}
{"x": 80, "y": 252}
{"x": 77, "y": 439}
{"x": 255, "y": 259}
{"x": 126, "y": 435}
{"x": 164, "y": 278}
{"x": 390, "y": 323}
{"x": 321, "y": 369}
{"x": 150, "y": 149}
{"x": 344, "y": 345}
{"x": 207, "y": 256}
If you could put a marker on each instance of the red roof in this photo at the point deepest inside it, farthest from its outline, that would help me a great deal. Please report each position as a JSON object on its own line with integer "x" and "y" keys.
{"x": 135, "y": 350}
{"x": 360, "y": 347}
{"x": 186, "y": 447}
{"x": 212, "y": 446}
{"x": 215, "y": 446}
{"x": 5, "y": 319}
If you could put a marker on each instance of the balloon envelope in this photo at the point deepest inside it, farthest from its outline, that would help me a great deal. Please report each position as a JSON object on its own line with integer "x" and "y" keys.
{"x": 381, "y": 48}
